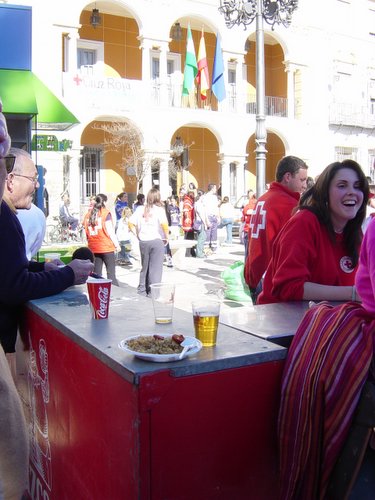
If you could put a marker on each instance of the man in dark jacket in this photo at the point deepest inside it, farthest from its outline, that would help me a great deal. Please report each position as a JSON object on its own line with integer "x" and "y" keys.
{"x": 22, "y": 280}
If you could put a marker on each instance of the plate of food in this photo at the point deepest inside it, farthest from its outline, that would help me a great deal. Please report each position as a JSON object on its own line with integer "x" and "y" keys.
{"x": 161, "y": 348}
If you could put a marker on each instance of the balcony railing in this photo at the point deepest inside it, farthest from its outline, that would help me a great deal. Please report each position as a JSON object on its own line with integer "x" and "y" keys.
{"x": 119, "y": 94}
{"x": 273, "y": 106}
{"x": 351, "y": 115}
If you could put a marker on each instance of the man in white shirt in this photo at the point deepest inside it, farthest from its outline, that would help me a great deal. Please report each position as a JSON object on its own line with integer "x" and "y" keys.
{"x": 33, "y": 222}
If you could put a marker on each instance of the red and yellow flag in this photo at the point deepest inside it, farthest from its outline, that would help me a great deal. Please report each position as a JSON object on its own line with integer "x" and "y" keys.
{"x": 203, "y": 78}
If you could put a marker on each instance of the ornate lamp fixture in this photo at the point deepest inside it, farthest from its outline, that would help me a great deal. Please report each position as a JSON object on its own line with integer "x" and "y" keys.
{"x": 95, "y": 18}
{"x": 244, "y": 12}
{"x": 176, "y": 32}
{"x": 238, "y": 12}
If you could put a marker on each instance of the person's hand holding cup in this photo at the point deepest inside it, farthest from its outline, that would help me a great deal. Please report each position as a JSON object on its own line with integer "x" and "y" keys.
{"x": 82, "y": 270}
{"x": 52, "y": 261}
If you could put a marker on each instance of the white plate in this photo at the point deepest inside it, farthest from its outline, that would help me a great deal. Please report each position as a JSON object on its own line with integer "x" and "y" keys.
{"x": 160, "y": 358}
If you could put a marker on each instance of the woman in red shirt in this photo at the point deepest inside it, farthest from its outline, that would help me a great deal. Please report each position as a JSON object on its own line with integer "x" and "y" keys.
{"x": 315, "y": 255}
{"x": 101, "y": 237}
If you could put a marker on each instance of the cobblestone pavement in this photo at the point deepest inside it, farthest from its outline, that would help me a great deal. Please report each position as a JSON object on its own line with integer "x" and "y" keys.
{"x": 193, "y": 277}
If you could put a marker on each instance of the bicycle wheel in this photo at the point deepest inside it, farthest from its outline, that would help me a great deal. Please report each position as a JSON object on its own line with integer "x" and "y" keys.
{"x": 65, "y": 234}
{"x": 46, "y": 239}
{"x": 55, "y": 235}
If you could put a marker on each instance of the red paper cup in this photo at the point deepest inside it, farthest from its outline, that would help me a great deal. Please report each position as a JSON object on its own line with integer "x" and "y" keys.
{"x": 99, "y": 294}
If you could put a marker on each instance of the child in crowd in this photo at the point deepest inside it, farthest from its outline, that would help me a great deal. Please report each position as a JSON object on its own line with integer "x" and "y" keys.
{"x": 174, "y": 217}
{"x": 123, "y": 236}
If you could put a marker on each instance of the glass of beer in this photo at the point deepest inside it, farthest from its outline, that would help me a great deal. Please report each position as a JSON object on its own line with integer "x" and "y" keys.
{"x": 206, "y": 320}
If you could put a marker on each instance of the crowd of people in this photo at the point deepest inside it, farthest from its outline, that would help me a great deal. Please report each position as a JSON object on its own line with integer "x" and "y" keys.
{"x": 303, "y": 241}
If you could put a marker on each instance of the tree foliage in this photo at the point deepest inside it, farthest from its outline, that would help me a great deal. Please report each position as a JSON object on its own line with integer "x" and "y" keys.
{"x": 123, "y": 137}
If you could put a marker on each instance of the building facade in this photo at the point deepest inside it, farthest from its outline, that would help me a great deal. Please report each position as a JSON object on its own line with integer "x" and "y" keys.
{"x": 121, "y": 75}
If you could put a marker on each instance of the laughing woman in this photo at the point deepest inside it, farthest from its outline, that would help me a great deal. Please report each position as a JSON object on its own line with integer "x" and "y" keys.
{"x": 315, "y": 255}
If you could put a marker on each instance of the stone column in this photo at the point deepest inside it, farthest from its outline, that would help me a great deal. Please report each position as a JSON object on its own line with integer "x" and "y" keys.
{"x": 164, "y": 176}
{"x": 147, "y": 179}
{"x": 146, "y": 46}
{"x": 71, "y": 40}
{"x": 227, "y": 189}
{"x": 290, "y": 69}
{"x": 75, "y": 182}
{"x": 163, "y": 77}
{"x": 225, "y": 176}
{"x": 240, "y": 179}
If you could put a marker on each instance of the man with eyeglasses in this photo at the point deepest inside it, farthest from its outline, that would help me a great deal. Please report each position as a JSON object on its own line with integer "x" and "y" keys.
{"x": 22, "y": 179}
{"x": 14, "y": 442}
{"x": 19, "y": 192}
{"x": 22, "y": 280}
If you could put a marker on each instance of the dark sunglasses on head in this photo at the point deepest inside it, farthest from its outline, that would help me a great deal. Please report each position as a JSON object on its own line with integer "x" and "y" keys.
{"x": 10, "y": 160}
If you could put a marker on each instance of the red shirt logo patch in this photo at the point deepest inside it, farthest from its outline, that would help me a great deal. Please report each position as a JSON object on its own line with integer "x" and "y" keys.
{"x": 258, "y": 220}
{"x": 346, "y": 264}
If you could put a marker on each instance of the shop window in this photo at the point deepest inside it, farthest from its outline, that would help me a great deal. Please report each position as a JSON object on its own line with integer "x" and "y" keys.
{"x": 90, "y": 168}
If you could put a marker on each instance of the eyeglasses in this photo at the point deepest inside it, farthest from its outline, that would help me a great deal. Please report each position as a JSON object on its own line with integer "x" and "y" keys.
{"x": 10, "y": 160}
{"x": 34, "y": 180}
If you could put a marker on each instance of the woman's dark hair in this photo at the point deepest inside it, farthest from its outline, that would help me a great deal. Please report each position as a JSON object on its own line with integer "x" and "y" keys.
{"x": 119, "y": 196}
{"x": 140, "y": 198}
{"x": 316, "y": 199}
{"x": 100, "y": 200}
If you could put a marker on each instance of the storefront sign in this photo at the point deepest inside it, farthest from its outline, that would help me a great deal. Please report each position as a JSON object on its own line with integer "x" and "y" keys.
{"x": 49, "y": 143}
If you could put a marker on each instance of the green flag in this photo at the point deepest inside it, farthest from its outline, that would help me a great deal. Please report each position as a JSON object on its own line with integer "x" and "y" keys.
{"x": 191, "y": 67}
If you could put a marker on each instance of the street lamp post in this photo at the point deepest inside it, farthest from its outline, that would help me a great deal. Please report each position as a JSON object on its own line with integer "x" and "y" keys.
{"x": 237, "y": 12}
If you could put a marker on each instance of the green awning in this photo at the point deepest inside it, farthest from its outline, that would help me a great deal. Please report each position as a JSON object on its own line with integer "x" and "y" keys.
{"x": 23, "y": 93}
